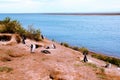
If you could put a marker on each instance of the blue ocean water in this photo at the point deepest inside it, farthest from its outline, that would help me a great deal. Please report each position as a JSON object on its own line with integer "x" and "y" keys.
{"x": 97, "y": 33}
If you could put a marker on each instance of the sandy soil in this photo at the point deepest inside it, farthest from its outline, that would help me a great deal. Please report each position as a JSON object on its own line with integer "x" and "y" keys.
{"x": 61, "y": 64}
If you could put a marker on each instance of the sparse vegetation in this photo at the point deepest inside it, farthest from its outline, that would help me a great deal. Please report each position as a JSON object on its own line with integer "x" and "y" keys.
{"x": 53, "y": 40}
{"x": 77, "y": 65}
{"x": 100, "y": 72}
{"x": 33, "y": 33}
{"x": 76, "y": 48}
{"x": 13, "y": 26}
{"x": 5, "y": 69}
{"x": 82, "y": 49}
{"x": 65, "y": 44}
{"x": 91, "y": 65}
{"x": 43, "y": 59}
{"x": 111, "y": 60}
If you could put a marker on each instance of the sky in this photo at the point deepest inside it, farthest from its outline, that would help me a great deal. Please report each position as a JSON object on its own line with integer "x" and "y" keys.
{"x": 59, "y": 6}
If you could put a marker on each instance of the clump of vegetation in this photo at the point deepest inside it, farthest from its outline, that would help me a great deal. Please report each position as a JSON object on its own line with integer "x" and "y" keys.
{"x": 82, "y": 49}
{"x": 5, "y": 69}
{"x": 13, "y": 26}
{"x": 91, "y": 65}
{"x": 65, "y": 44}
{"x": 77, "y": 65}
{"x": 111, "y": 60}
{"x": 34, "y": 34}
{"x": 101, "y": 73}
{"x": 76, "y": 48}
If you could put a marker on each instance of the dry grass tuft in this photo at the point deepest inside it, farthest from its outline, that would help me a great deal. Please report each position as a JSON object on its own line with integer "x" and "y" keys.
{"x": 5, "y": 69}
{"x": 101, "y": 73}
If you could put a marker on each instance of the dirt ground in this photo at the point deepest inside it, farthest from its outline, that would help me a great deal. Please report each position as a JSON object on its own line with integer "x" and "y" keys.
{"x": 18, "y": 63}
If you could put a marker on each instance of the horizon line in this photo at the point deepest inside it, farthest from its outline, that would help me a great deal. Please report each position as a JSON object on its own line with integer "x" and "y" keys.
{"x": 62, "y": 13}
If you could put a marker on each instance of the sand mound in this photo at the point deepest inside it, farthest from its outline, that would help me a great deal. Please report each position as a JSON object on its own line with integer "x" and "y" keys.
{"x": 9, "y": 39}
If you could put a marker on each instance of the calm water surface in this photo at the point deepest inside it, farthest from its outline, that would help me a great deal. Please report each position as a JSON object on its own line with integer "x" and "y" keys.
{"x": 97, "y": 33}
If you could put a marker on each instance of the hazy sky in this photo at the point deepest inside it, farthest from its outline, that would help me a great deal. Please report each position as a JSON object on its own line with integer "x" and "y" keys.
{"x": 53, "y": 6}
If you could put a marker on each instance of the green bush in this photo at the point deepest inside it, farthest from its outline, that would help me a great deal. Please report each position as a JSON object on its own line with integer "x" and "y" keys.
{"x": 13, "y": 26}
{"x": 91, "y": 65}
{"x": 111, "y": 60}
{"x": 33, "y": 33}
{"x": 75, "y": 48}
{"x": 65, "y": 44}
{"x": 84, "y": 50}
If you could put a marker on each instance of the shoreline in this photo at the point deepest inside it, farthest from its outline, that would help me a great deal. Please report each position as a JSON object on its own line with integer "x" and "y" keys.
{"x": 91, "y": 51}
{"x": 109, "y": 55}
{"x": 107, "y": 58}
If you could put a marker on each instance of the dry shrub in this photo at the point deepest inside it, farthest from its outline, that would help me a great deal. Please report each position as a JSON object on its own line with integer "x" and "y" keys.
{"x": 5, "y": 69}
{"x": 100, "y": 71}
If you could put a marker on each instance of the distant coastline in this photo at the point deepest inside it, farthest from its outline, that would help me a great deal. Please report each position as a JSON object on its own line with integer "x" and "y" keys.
{"x": 81, "y": 13}
{"x": 68, "y": 13}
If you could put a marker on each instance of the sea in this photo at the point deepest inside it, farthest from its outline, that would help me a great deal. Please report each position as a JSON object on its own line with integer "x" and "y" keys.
{"x": 98, "y": 33}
